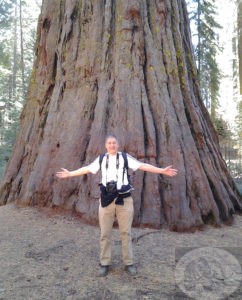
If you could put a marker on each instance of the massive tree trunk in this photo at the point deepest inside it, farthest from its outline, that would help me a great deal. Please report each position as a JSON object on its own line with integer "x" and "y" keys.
{"x": 125, "y": 67}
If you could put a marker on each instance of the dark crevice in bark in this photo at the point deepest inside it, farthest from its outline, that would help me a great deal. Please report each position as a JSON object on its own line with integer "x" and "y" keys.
{"x": 108, "y": 35}
{"x": 217, "y": 160}
{"x": 144, "y": 175}
{"x": 148, "y": 14}
{"x": 167, "y": 131}
{"x": 18, "y": 167}
{"x": 83, "y": 155}
{"x": 61, "y": 94}
{"x": 145, "y": 129}
{"x": 111, "y": 41}
{"x": 164, "y": 60}
{"x": 219, "y": 165}
{"x": 109, "y": 106}
{"x": 69, "y": 34}
{"x": 73, "y": 17}
{"x": 60, "y": 33}
{"x": 8, "y": 186}
{"x": 74, "y": 13}
{"x": 19, "y": 187}
{"x": 54, "y": 71}
{"x": 46, "y": 25}
{"x": 42, "y": 124}
{"x": 141, "y": 208}
{"x": 77, "y": 40}
{"x": 46, "y": 98}
{"x": 132, "y": 44}
{"x": 72, "y": 193}
{"x": 87, "y": 11}
{"x": 5, "y": 192}
{"x": 103, "y": 21}
{"x": 61, "y": 19}
{"x": 163, "y": 217}
{"x": 31, "y": 122}
{"x": 186, "y": 176}
{"x": 209, "y": 218}
{"x": 145, "y": 70}
{"x": 221, "y": 205}
{"x": 44, "y": 110}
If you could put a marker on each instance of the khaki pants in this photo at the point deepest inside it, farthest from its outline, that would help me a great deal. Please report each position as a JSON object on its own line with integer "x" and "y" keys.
{"x": 124, "y": 214}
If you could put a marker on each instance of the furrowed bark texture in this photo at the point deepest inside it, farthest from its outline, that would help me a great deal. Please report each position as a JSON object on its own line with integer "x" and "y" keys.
{"x": 124, "y": 67}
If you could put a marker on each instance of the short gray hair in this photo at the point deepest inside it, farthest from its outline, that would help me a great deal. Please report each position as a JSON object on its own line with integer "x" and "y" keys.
{"x": 110, "y": 136}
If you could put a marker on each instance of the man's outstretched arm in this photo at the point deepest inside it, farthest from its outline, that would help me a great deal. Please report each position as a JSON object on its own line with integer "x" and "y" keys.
{"x": 64, "y": 173}
{"x": 169, "y": 171}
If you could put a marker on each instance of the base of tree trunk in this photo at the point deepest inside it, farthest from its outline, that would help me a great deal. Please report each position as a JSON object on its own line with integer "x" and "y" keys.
{"x": 127, "y": 68}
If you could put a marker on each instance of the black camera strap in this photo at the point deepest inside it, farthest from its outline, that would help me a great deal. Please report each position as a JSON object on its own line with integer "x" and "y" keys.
{"x": 117, "y": 165}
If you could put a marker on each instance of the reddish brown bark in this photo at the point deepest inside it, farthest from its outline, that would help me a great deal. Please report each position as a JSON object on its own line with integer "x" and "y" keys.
{"x": 124, "y": 67}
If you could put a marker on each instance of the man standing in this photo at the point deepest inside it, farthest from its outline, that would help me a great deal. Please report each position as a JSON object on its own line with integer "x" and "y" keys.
{"x": 115, "y": 199}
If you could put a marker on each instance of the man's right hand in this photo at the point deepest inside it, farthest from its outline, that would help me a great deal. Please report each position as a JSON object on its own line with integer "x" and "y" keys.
{"x": 63, "y": 174}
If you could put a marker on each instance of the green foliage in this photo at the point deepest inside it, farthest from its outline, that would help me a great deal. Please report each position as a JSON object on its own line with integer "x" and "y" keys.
{"x": 8, "y": 136}
{"x": 203, "y": 16}
{"x": 6, "y": 8}
{"x": 239, "y": 187}
{"x": 222, "y": 128}
{"x": 205, "y": 38}
{"x": 230, "y": 148}
{"x": 238, "y": 120}
{"x": 13, "y": 85}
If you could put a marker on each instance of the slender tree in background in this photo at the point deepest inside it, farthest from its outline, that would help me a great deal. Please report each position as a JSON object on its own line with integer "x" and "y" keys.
{"x": 235, "y": 64}
{"x": 6, "y": 21}
{"x": 22, "y": 48}
{"x": 236, "y": 49}
{"x": 203, "y": 14}
{"x": 239, "y": 51}
{"x": 237, "y": 58}
{"x": 239, "y": 125}
{"x": 125, "y": 67}
{"x": 13, "y": 83}
{"x": 16, "y": 57}
{"x": 239, "y": 27}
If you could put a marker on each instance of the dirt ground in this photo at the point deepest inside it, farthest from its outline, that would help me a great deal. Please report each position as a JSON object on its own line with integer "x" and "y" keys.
{"x": 46, "y": 256}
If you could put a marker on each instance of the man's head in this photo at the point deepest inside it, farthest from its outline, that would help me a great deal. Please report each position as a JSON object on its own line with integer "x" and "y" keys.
{"x": 111, "y": 144}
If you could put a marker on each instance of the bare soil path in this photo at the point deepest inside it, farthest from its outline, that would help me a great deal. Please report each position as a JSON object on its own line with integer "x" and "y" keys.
{"x": 44, "y": 256}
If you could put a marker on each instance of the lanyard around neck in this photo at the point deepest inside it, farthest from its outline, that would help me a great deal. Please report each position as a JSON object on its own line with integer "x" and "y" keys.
{"x": 117, "y": 165}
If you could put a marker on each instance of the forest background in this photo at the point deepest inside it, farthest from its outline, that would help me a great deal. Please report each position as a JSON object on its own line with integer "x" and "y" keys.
{"x": 216, "y": 41}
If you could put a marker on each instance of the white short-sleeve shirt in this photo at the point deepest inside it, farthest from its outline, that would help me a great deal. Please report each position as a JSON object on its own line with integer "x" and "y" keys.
{"x": 112, "y": 173}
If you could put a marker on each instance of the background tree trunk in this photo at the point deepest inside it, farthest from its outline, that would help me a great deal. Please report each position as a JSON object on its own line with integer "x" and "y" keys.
{"x": 125, "y": 67}
{"x": 22, "y": 49}
{"x": 239, "y": 26}
{"x": 14, "y": 67}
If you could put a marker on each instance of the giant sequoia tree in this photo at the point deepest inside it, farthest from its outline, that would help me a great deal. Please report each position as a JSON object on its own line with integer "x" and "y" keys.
{"x": 125, "y": 67}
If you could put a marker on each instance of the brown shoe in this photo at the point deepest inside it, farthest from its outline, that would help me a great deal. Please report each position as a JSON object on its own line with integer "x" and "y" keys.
{"x": 103, "y": 271}
{"x": 131, "y": 269}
